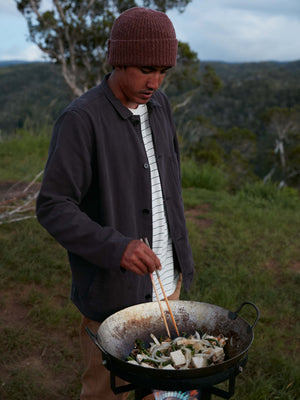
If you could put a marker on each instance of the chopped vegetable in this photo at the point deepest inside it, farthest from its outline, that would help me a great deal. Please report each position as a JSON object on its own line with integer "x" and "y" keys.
{"x": 194, "y": 351}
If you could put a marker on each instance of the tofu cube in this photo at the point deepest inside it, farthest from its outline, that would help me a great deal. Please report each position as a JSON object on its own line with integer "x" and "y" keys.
{"x": 178, "y": 358}
{"x": 199, "y": 362}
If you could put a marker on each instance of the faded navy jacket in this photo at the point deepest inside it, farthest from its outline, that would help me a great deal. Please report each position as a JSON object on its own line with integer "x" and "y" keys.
{"x": 96, "y": 197}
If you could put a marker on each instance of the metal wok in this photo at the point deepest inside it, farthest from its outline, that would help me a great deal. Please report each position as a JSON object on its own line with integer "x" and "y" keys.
{"x": 117, "y": 334}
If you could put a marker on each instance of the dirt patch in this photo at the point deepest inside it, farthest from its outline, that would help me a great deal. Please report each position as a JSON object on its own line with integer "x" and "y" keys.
{"x": 274, "y": 266}
{"x": 196, "y": 215}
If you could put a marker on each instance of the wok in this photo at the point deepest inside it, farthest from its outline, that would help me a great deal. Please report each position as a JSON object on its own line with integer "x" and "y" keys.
{"x": 117, "y": 334}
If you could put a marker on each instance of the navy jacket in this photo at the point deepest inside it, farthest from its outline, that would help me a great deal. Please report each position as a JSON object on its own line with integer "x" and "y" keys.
{"x": 96, "y": 197}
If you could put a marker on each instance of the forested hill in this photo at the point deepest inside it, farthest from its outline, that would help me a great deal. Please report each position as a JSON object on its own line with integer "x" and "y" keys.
{"x": 249, "y": 127}
{"x": 249, "y": 89}
{"x": 32, "y": 94}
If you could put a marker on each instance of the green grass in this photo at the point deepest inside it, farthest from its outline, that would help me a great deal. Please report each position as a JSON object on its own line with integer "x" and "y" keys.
{"x": 24, "y": 156}
{"x": 245, "y": 246}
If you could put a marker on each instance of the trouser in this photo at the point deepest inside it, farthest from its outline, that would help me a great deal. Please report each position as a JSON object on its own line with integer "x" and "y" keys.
{"x": 96, "y": 378}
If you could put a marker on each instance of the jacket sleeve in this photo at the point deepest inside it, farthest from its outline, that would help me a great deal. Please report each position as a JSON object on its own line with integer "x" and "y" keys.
{"x": 67, "y": 179}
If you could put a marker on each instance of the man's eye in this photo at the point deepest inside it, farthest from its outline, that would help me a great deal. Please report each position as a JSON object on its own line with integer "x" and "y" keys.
{"x": 146, "y": 70}
{"x": 149, "y": 70}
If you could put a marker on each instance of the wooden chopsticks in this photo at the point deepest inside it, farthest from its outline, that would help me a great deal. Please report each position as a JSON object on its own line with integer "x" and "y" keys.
{"x": 160, "y": 306}
{"x": 165, "y": 297}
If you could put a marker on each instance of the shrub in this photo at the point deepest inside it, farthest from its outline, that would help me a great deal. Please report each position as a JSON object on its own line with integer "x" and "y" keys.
{"x": 203, "y": 176}
{"x": 270, "y": 193}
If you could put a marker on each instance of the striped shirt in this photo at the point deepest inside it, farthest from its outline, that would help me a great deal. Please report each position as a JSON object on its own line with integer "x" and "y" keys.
{"x": 161, "y": 240}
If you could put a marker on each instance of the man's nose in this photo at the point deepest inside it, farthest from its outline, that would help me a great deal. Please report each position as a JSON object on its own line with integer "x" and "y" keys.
{"x": 154, "y": 80}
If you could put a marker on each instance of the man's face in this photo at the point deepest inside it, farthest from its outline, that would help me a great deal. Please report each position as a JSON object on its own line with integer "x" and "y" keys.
{"x": 136, "y": 85}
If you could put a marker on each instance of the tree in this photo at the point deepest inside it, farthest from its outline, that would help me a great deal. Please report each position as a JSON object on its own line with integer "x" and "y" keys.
{"x": 284, "y": 126}
{"x": 74, "y": 33}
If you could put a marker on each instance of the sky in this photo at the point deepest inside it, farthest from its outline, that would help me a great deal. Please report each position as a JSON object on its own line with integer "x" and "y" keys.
{"x": 217, "y": 30}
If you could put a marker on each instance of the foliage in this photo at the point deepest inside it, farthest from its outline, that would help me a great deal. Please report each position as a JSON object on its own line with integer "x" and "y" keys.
{"x": 75, "y": 33}
{"x": 228, "y": 129}
{"x": 231, "y": 151}
{"x": 205, "y": 176}
{"x": 231, "y": 126}
{"x": 182, "y": 78}
{"x": 248, "y": 89}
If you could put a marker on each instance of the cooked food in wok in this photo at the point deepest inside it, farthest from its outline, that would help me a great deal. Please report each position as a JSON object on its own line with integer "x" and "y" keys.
{"x": 194, "y": 351}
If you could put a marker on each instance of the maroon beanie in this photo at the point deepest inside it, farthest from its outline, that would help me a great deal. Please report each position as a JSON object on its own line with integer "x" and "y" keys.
{"x": 142, "y": 37}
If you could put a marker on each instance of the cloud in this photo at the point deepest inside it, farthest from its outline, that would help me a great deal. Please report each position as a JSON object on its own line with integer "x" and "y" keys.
{"x": 29, "y": 53}
{"x": 267, "y": 7}
{"x": 8, "y": 8}
{"x": 231, "y": 30}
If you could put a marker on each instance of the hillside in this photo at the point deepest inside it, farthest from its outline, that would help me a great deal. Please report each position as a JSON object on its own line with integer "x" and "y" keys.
{"x": 34, "y": 93}
{"x": 221, "y": 128}
{"x": 248, "y": 90}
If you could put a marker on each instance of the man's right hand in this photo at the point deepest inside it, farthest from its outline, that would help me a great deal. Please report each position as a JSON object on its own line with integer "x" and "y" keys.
{"x": 139, "y": 258}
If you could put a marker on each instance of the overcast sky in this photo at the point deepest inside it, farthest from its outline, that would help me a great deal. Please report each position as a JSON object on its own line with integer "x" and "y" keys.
{"x": 218, "y": 30}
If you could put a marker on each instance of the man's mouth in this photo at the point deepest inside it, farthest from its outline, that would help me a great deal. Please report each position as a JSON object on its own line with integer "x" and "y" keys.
{"x": 147, "y": 93}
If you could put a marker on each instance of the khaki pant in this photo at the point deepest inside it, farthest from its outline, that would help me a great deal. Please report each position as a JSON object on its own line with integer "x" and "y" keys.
{"x": 96, "y": 378}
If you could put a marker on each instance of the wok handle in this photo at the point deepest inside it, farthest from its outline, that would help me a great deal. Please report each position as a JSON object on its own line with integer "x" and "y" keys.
{"x": 95, "y": 340}
{"x": 233, "y": 315}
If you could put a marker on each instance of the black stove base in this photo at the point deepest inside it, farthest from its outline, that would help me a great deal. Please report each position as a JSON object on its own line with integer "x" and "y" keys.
{"x": 202, "y": 386}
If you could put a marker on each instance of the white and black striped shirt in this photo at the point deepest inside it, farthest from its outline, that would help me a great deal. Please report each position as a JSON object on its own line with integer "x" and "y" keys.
{"x": 161, "y": 240}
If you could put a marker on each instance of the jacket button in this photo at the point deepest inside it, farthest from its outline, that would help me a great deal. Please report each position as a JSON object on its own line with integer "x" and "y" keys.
{"x": 146, "y": 211}
{"x": 148, "y": 297}
{"x": 146, "y": 165}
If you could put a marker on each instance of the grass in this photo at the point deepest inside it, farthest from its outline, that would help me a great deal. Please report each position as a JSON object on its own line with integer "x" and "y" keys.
{"x": 251, "y": 252}
{"x": 245, "y": 246}
{"x": 24, "y": 156}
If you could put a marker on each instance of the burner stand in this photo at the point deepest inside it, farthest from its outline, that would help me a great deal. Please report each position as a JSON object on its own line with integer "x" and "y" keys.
{"x": 205, "y": 389}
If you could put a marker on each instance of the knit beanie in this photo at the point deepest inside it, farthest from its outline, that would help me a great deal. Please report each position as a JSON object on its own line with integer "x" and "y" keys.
{"x": 142, "y": 37}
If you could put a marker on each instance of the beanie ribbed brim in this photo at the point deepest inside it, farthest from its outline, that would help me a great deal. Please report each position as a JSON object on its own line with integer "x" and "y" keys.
{"x": 136, "y": 52}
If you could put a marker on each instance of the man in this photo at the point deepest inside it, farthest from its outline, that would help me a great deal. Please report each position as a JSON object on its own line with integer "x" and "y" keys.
{"x": 113, "y": 178}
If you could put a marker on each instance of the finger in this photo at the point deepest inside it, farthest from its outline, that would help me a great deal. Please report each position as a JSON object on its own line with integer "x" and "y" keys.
{"x": 153, "y": 262}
